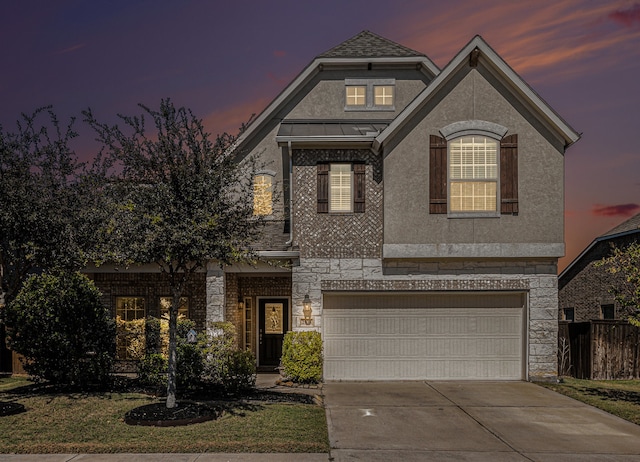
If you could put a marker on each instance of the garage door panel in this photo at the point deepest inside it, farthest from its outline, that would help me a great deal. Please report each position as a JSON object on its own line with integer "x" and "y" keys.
{"x": 467, "y": 339}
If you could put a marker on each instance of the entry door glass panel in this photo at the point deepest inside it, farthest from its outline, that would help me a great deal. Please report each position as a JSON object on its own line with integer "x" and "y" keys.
{"x": 274, "y": 323}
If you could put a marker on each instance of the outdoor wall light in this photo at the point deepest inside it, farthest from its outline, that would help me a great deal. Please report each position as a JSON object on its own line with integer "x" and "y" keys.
{"x": 240, "y": 304}
{"x": 306, "y": 310}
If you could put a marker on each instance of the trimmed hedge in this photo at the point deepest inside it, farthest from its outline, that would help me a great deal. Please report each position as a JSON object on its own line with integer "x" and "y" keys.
{"x": 302, "y": 356}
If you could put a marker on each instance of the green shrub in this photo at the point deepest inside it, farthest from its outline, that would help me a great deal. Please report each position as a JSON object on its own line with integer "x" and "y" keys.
{"x": 224, "y": 365}
{"x": 189, "y": 365}
{"x": 59, "y": 324}
{"x": 130, "y": 343}
{"x": 152, "y": 372}
{"x": 153, "y": 338}
{"x": 302, "y": 356}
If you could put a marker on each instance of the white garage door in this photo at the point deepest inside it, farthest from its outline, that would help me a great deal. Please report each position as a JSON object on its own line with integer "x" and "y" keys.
{"x": 395, "y": 336}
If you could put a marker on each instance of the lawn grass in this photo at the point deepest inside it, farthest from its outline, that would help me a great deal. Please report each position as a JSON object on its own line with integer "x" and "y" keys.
{"x": 617, "y": 397}
{"x": 94, "y": 423}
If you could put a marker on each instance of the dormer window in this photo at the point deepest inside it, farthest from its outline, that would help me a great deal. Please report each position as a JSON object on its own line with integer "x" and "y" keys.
{"x": 369, "y": 94}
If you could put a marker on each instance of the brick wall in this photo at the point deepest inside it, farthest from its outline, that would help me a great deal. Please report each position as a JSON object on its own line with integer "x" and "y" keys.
{"x": 151, "y": 286}
{"x": 585, "y": 287}
{"x": 323, "y": 235}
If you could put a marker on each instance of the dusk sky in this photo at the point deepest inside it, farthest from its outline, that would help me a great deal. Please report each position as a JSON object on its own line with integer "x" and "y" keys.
{"x": 228, "y": 59}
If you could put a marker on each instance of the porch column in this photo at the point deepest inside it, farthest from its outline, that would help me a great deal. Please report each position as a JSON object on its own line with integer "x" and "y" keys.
{"x": 215, "y": 293}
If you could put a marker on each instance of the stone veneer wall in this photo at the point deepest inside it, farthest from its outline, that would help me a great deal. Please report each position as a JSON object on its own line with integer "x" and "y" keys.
{"x": 537, "y": 277}
{"x": 151, "y": 286}
{"x": 338, "y": 235}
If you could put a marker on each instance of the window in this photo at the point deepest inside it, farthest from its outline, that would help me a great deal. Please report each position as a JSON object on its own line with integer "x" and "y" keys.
{"x": 383, "y": 95}
{"x": 468, "y": 174}
{"x": 568, "y": 314}
{"x": 130, "y": 308}
{"x": 607, "y": 311}
{"x": 473, "y": 174}
{"x": 183, "y": 309}
{"x": 341, "y": 187}
{"x": 370, "y": 94}
{"x": 262, "y": 195}
{"x": 356, "y": 95}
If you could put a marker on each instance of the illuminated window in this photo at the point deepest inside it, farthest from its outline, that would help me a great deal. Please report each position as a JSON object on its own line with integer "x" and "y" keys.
{"x": 370, "y": 94}
{"x": 130, "y": 308}
{"x": 183, "y": 309}
{"x": 340, "y": 188}
{"x": 262, "y": 195}
{"x": 356, "y": 95}
{"x": 473, "y": 174}
{"x": 383, "y": 95}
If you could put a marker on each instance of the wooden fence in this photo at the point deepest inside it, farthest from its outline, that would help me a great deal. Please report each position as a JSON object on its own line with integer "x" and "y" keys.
{"x": 599, "y": 350}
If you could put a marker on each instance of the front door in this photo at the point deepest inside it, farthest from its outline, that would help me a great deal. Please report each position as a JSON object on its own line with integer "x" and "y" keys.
{"x": 273, "y": 324}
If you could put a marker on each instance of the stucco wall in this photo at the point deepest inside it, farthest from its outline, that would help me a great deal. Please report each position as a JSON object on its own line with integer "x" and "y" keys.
{"x": 540, "y": 176}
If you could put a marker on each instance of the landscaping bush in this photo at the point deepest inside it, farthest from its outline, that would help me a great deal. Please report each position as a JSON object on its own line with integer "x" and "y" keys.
{"x": 224, "y": 365}
{"x": 59, "y": 324}
{"x": 130, "y": 344}
{"x": 302, "y": 356}
{"x": 152, "y": 372}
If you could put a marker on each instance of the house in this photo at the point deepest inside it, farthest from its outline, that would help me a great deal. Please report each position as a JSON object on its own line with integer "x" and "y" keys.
{"x": 419, "y": 225}
{"x": 583, "y": 288}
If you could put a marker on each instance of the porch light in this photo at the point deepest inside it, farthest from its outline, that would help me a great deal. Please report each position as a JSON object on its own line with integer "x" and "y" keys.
{"x": 240, "y": 304}
{"x": 306, "y": 310}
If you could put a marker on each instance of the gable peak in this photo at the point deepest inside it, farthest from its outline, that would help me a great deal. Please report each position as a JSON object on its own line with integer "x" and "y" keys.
{"x": 366, "y": 44}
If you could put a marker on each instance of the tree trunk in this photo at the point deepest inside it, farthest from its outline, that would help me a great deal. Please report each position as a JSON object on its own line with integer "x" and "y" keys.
{"x": 173, "y": 328}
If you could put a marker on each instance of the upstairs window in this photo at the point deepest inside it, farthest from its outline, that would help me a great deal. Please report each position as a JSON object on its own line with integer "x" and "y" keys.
{"x": 356, "y": 96}
{"x": 473, "y": 174}
{"x": 341, "y": 187}
{"x": 607, "y": 311}
{"x": 369, "y": 94}
{"x": 568, "y": 314}
{"x": 470, "y": 175}
{"x": 262, "y": 195}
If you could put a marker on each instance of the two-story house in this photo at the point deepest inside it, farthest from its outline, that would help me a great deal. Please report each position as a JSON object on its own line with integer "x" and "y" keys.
{"x": 418, "y": 225}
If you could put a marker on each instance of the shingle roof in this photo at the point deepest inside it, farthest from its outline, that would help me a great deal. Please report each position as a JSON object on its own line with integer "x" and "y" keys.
{"x": 369, "y": 45}
{"x": 632, "y": 224}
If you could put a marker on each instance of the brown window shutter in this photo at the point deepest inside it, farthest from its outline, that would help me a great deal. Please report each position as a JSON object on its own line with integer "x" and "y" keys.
{"x": 323, "y": 188}
{"x": 437, "y": 174}
{"x": 509, "y": 174}
{"x": 358, "y": 187}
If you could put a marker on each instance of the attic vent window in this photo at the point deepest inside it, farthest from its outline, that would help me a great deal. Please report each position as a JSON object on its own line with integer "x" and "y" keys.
{"x": 369, "y": 94}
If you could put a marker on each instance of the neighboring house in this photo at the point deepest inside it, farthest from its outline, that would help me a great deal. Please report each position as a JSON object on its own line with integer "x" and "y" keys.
{"x": 584, "y": 288}
{"x": 419, "y": 225}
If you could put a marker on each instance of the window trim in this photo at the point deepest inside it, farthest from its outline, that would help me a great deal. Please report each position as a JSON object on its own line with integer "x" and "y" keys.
{"x": 473, "y": 213}
{"x": 370, "y": 85}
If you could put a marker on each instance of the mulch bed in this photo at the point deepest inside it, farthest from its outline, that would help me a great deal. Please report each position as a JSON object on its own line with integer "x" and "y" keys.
{"x": 9, "y": 408}
{"x": 157, "y": 414}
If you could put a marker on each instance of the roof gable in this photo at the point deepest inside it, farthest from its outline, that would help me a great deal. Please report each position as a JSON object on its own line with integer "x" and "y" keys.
{"x": 361, "y": 49}
{"x": 628, "y": 227}
{"x": 478, "y": 49}
{"x": 366, "y": 44}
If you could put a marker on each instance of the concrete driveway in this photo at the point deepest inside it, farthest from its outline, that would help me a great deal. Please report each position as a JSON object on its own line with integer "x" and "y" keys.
{"x": 470, "y": 421}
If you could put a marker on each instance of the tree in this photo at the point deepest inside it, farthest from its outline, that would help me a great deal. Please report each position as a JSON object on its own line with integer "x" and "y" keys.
{"x": 625, "y": 262}
{"x": 47, "y": 210}
{"x": 180, "y": 201}
{"x": 59, "y": 324}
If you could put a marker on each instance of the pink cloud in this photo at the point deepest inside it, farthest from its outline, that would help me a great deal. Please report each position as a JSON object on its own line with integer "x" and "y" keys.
{"x": 279, "y": 53}
{"x": 624, "y": 210}
{"x": 628, "y": 16}
{"x": 230, "y": 119}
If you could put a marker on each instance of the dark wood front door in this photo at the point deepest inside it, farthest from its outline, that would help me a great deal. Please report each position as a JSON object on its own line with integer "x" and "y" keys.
{"x": 274, "y": 323}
